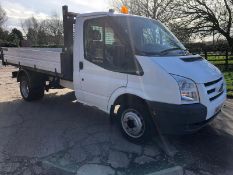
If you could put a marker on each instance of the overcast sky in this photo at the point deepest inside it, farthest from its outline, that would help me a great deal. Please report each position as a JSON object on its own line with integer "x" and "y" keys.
{"x": 41, "y": 9}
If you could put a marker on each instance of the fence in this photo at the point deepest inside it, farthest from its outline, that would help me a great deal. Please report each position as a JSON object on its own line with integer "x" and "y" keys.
{"x": 223, "y": 60}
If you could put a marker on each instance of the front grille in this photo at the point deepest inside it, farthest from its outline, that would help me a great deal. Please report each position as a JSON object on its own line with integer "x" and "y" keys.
{"x": 213, "y": 82}
{"x": 215, "y": 97}
{"x": 214, "y": 89}
{"x": 210, "y": 91}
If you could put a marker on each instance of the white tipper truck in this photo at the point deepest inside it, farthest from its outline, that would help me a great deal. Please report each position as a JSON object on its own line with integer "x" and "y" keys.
{"x": 133, "y": 68}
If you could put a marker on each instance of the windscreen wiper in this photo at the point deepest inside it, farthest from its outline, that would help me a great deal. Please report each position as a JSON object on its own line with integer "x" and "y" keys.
{"x": 164, "y": 52}
{"x": 144, "y": 53}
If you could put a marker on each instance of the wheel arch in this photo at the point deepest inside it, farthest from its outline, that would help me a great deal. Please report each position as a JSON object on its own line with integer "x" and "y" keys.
{"x": 31, "y": 75}
{"x": 124, "y": 96}
{"x": 22, "y": 72}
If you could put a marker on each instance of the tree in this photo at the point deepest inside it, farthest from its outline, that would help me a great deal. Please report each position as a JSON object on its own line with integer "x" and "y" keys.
{"x": 18, "y": 33}
{"x": 32, "y": 36}
{"x": 155, "y": 9}
{"x": 3, "y": 34}
{"x": 45, "y": 32}
{"x": 206, "y": 17}
{"x": 180, "y": 32}
{"x": 31, "y": 27}
{"x": 55, "y": 29}
{"x": 162, "y": 10}
{"x": 3, "y": 17}
{"x": 30, "y": 23}
{"x": 15, "y": 37}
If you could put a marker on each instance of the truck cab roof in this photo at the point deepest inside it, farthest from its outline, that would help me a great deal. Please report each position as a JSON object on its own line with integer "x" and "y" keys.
{"x": 92, "y": 14}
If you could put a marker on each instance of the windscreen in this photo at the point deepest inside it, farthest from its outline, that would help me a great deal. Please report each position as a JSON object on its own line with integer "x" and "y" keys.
{"x": 147, "y": 36}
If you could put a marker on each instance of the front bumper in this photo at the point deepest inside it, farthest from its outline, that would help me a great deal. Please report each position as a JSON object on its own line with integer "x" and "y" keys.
{"x": 179, "y": 119}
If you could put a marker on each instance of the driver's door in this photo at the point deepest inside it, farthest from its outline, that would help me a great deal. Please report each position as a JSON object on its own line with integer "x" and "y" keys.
{"x": 99, "y": 76}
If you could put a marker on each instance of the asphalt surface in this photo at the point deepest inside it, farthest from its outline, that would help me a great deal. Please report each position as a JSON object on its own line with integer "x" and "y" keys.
{"x": 58, "y": 135}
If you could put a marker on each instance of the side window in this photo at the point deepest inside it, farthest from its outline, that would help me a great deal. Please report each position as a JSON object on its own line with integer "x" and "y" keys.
{"x": 94, "y": 43}
{"x": 114, "y": 49}
{"x": 105, "y": 48}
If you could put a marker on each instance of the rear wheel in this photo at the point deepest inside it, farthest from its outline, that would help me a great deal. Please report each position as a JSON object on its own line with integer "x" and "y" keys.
{"x": 135, "y": 122}
{"x": 31, "y": 89}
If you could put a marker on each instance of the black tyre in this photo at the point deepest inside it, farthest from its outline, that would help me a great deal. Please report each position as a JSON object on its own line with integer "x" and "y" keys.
{"x": 31, "y": 89}
{"x": 135, "y": 122}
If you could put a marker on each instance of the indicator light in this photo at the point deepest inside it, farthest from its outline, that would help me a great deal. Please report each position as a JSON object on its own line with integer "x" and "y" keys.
{"x": 124, "y": 9}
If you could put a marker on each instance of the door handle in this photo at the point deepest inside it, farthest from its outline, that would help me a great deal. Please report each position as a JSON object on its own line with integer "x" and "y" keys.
{"x": 80, "y": 65}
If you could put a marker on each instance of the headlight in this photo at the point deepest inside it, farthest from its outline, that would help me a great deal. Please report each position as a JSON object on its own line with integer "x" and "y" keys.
{"x": 188, "y": 90}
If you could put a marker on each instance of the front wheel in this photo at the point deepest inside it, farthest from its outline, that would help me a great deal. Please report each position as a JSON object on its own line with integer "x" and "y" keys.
{"x": 135, "y": 122}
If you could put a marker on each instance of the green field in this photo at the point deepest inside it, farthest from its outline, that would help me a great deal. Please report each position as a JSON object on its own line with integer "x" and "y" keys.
{"x": 229, "y": 81}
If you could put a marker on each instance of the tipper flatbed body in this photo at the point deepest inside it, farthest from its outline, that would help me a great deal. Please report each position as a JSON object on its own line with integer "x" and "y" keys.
{"x": 45, "y": 60}
{"x": 133, "y": 68}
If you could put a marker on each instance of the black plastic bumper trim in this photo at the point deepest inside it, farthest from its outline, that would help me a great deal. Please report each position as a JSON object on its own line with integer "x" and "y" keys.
{"x": 178, "y": 119}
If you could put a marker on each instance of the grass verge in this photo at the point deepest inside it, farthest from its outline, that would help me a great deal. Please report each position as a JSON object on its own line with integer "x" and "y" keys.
{"x": 229, "y": 81}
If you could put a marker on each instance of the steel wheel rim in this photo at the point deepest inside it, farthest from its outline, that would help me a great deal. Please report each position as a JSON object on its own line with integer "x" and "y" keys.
{"x": 24, "y": 89}
{"x": 133, "y": 123}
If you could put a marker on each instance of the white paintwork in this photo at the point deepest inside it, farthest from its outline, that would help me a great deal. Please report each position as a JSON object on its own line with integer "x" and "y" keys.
{"x": 198, "y": 71}
{"x": 93, "y": 85}
{"x": 155, "y": 85}
{"x": 158, "y": 85}
{"x": 47, "y": 59}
